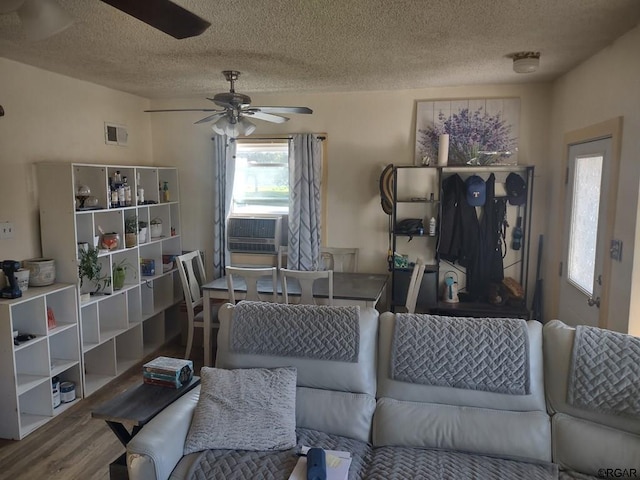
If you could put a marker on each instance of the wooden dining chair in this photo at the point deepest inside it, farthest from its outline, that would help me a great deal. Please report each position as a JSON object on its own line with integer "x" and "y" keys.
{"x": 340, "y": 259}
{"x": 414, "y": 286}
{"x": 251, "y": 277}
{"x": 306, "y": 280}
{"x": 192, "y": 276}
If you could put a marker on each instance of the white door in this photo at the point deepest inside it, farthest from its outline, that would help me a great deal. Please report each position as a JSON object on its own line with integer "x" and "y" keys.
{"x": 584, "y": 236}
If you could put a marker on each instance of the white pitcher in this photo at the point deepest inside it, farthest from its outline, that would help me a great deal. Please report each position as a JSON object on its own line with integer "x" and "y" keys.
{"x": 450, "y": 287}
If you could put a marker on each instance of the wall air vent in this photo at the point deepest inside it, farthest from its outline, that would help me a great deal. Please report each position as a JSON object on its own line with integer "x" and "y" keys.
{"x": 255, "y": 234}
{"x": 115, "y": 134}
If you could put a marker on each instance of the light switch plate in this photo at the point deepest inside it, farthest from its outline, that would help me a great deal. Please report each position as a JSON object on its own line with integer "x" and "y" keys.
{"x": 6, "y": 230}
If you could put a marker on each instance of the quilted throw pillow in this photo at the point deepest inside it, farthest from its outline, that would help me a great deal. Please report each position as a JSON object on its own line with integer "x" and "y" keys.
{"x": 244, "y": 409}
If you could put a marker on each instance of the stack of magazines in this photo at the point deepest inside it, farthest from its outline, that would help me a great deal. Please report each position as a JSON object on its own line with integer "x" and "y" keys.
{"x": 168, "y": 372}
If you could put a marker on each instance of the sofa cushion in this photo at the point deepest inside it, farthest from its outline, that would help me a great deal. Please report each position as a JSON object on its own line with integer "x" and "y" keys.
{"x": 401, "y": 463}
{"x": 358, "y": 377}
{"x": 388, "y": 387}
{"x": 558, "y": 349}
{"x": 296, "y": 331}
{"x": 246, "y": 409}
{"x": 337, "y": 397}
{"x": 461, "y": 353}
{"x": 340, "y": 413}
{"x": 588, "y": 447}
{"x": 243, "y": 465}
{"x": 523, "y": 435}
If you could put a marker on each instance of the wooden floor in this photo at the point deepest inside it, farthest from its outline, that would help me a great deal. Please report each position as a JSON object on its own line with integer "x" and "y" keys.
{"x": 73, "y": 445}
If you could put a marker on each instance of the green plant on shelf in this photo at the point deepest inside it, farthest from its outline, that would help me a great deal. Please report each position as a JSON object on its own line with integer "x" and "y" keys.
{"x": 120, "y": 273}
{"x": 90, "y": 269}
{"x": 131, "y": 224}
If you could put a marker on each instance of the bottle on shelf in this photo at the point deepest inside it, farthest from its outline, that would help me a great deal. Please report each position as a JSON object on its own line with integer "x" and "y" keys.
{"x": 127, "y": 192}
{"x": 137, "y": 190}
{"x": 115, "y": 192}
{"x": 165, "y": 191}
{"x": 432, "y": 227}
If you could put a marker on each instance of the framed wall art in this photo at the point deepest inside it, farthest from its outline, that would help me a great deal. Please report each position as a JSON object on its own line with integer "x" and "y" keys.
{"x": 481, "y": 131}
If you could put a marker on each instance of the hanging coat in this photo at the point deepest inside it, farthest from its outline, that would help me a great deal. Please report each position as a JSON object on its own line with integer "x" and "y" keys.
{"x": 459, "y": 225}
{"x": 486, "y": 263}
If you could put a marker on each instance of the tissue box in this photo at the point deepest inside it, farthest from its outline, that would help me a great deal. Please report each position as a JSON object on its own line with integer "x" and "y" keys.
{"x": 168, "y": 372}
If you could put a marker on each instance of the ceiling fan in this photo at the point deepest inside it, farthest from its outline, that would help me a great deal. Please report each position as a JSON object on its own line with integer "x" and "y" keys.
{"x": 232, "y": 119}
{"x": 43, "y": 18}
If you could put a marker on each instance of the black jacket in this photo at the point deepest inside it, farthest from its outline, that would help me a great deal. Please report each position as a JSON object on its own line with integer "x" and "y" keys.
{"x": 459, "y": 226}
{"x": 473, "y": 243}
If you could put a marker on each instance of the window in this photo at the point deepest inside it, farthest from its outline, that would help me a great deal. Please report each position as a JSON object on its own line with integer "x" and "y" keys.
{"x": 261, "y": 181}
{"x": 583, "y": 233}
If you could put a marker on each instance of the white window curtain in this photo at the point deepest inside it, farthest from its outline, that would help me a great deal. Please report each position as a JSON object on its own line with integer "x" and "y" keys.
{"x": 224, "y": 155}
{"x": 305, "y": 173}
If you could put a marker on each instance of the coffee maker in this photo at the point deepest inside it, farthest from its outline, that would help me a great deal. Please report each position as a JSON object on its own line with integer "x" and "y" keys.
{"x": 9, "y": 267}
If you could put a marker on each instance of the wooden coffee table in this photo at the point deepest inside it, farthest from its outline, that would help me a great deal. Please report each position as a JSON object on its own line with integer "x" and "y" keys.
{"x": 137, "y": 406}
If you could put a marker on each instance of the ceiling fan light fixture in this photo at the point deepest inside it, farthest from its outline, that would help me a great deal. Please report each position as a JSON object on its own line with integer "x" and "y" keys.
{"x": 247, "y": 127}
{"x": 220, "y": 126}
{"x": 233, "y": 128}
{"x": 526, "y": 62}
{"x": 43, "y": 18}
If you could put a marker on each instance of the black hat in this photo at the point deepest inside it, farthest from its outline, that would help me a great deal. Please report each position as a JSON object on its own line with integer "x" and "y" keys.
{"x": 516, "y": 189}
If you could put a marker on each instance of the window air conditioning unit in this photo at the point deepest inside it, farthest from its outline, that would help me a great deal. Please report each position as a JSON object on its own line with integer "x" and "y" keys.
{"x": 262, "y": 234}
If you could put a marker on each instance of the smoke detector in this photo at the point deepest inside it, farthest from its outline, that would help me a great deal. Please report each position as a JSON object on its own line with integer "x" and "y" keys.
{"x": 526, "y": 62}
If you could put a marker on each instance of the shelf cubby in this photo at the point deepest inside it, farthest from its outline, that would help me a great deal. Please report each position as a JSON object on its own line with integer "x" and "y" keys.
{"x": 129, "y": 348}
{"x": 153, "y": 333}
{"x": 99, "y": 366}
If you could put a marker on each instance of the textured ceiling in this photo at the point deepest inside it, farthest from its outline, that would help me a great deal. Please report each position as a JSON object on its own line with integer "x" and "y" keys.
{"x": 324, "y": 45}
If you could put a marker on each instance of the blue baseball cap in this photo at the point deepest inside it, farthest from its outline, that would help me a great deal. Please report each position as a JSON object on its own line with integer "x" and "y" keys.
{"x": 476, "y": 191}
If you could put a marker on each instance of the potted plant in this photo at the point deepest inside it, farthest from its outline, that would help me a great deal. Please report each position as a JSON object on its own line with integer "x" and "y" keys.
{"x": 131, "y": 231}
{"x": 142, "y": 231}
{"x": 156, "y": 227}
{"x": 90, "y": 270}
{"x": 120, "y": 273}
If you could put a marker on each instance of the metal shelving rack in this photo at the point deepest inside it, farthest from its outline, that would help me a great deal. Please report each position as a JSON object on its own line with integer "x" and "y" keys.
{"x": 429, "y": 179}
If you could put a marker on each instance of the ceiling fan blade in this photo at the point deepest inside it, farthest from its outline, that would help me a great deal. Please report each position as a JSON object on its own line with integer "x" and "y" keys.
{"x": 284, "y": 109}
{"x": 186, "y": 110}
{"x": 264, "y": 116}
{"x": 210, "y": 117}
{"x": 164, "y": 15}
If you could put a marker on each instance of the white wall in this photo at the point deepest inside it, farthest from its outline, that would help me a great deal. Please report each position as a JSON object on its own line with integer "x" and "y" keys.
{"x": 602, "y": 88}
{"x": 50, "y": 117}
{"x": 365, "y": 131}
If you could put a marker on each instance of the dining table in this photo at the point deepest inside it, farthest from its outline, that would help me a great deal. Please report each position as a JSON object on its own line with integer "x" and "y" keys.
{"x": 349, "y": 288}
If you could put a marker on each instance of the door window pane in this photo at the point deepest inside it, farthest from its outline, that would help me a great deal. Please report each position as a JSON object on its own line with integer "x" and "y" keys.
{"x": 584, "y": 222}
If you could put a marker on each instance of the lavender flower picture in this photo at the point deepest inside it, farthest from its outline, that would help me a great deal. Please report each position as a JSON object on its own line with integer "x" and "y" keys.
{"x": 481, "y": 131}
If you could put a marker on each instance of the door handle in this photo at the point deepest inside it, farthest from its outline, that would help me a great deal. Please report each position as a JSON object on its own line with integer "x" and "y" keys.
{"x": 594, "y": 301}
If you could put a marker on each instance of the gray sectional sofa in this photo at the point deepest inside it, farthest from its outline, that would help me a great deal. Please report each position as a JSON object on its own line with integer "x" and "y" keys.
{"x": 418, "y": 397}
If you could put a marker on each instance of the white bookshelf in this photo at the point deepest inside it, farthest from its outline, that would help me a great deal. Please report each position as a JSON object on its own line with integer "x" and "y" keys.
{"x": 26, "y": 399}
{"x": 117, "y": 328}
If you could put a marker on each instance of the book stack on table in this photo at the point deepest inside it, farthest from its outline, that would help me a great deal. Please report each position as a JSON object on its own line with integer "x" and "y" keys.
{"x": 168, "y": 372}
